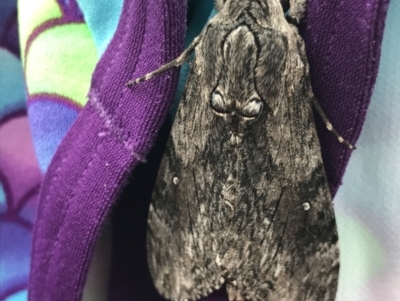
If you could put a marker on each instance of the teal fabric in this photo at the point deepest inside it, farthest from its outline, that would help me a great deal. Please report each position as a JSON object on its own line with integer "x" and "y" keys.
{"x": 201, "y": 13}
{"x": 20, "y": 296}
{"x": 102, "y": 20}
{"x": 12, "y": 86}
{"x": 3, "y": 204}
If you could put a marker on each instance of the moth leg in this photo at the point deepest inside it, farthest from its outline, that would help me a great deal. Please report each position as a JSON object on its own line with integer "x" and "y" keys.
{"x": 329, "y": 125}
{"x": 184, "y": 57}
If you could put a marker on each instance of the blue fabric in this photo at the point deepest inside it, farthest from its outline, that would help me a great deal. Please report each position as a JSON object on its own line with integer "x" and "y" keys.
{"x": 47, "y": 134}
{"x": 15, "y": 240}
{"x": 6, "y": 8}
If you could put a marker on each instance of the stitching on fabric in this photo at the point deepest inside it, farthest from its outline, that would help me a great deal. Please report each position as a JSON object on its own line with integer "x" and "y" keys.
{"x": 119, "y": 133}
{"x": 158, "y": 88}
{"x": 119, "y": 48}
{"x": 130, "y": 142}
{"x": 371, "y": 62}
{"x": 79, "y": 284}
{"x": 164, "y": 89}
{"x": 356, "y": 122}
{"x": 338, "y": 8}
{"x": 125, "y": 32}
{"x": 115, "y": 131}
{"x": 84, "y": 270}
{"x": 63, "y": 209}
{"x": 125, "y": 89}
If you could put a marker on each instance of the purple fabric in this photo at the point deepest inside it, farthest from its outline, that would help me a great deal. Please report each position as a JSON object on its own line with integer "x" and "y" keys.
{"x": 114, "y": 131}
{"x": 118, "y": 126}
{"x": 343, "y": 41}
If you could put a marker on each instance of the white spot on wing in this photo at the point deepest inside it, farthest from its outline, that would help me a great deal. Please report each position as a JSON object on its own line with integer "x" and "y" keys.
{"x": 218, "y": 260}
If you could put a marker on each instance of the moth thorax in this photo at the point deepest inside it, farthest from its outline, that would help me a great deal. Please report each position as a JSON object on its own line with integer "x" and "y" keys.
{"x": 235, "y": 94}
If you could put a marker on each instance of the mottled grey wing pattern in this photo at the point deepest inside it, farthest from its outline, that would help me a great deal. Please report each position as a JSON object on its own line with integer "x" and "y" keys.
{"x": 241, "y": 196}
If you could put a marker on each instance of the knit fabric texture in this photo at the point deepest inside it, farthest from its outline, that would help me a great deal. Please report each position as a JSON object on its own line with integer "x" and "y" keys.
{"x": 112, "y": 134}
{"x": 87, "y": 147}
{"x": 59, "y": 56}
{"x": 119, "y": 125}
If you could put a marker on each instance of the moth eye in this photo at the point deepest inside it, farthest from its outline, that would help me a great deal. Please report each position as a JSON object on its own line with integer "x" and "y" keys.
{"x": 252, "y": 109}
{"x": 285, "y": 6}
{"x": 218, "y": 103}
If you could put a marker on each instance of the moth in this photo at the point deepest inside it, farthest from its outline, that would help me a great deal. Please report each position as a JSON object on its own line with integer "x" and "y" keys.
{"x": 241, "y": 199}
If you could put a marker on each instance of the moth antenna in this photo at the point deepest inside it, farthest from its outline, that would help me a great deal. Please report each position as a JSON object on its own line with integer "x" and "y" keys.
{"x": 184, "y": 57}
{"x": 328, "y": 124}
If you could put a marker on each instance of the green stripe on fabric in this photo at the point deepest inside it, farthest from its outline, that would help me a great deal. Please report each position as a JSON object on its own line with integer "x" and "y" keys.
{"x": 32, "y": 14}
{"x": 61, "y": 61}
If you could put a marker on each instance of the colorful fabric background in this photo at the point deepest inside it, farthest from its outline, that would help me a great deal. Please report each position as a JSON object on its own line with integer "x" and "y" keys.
{"x": 20, "y": 176}
{"x": 61, "y": 42}
{"x": 59, "y": 52}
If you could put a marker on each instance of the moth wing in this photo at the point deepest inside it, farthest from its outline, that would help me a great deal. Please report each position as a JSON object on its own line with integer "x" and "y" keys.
{"x": 185, "y": 227}
{"x": 283, "y": 242}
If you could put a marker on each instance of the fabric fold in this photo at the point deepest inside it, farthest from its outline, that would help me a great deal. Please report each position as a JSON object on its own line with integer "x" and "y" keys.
{"x": 114, "y": 131}
{"x": 343, "y": 42}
